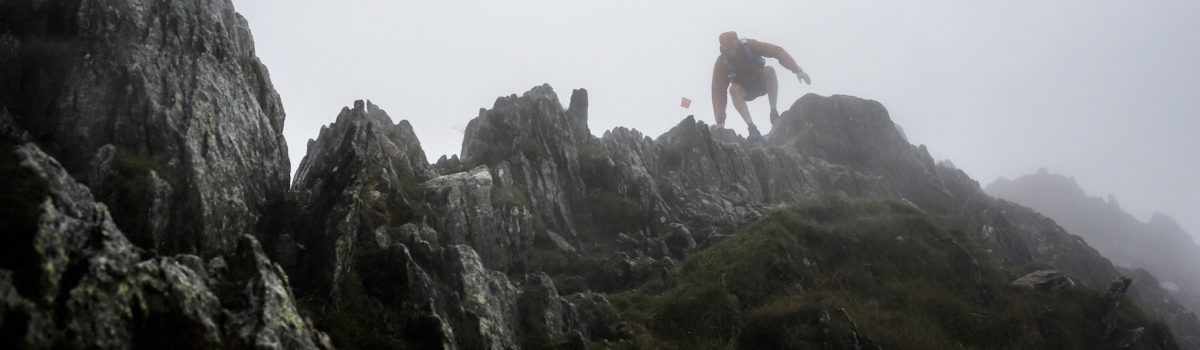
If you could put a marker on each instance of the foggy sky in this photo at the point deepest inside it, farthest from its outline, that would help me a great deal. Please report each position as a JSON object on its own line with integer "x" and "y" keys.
{"x": 1104, "y": 91}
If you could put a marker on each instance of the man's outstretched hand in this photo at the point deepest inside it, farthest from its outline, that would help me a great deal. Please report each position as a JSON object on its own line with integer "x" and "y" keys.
{"x": 800, "y": 74}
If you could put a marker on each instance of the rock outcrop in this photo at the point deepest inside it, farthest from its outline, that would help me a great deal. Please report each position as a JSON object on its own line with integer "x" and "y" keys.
{"x": 382, "y": 238}
{"x": 160, "y": 107}
{"x": 70, "y": 279}
{"x": 1045, "y": 280}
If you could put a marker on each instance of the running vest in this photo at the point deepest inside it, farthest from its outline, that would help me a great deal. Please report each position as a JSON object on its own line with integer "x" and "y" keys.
{"x": 744, "y": 54}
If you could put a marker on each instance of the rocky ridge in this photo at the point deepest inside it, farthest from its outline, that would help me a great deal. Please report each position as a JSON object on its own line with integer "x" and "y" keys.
{"x": 538, "y": 199}
{"x": 161, "y": 109}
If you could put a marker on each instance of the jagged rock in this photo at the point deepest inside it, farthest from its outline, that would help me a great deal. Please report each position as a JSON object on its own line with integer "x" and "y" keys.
{"x": 447, "y": 165}
{"x": 585, "y": 191}
{"x": 727, "y": 136}
{"x": 70, "y": 279}
{"x": 540, "y": 142}
{"x": 353, "y": 184}
{"x": 489, "y": 301}
{"x": 170, "y": 95}
{"x": 499, "y": 314}
{"x": 1112, "y": 300}
{"x": 367, "y": 132}
{"x": 702, "y": 163}
{"x": 487, "y": 214}
{"x": 1045, "y": 280}
{"x": 387, "y": 240}
{"x": 707, "y": 182}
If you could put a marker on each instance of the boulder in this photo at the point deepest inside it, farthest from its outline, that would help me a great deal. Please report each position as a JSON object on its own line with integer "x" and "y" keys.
{"x": 1045, "y": 280}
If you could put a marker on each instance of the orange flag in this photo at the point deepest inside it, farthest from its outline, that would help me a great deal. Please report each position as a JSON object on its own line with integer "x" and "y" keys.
{"x": 686, "y": 103}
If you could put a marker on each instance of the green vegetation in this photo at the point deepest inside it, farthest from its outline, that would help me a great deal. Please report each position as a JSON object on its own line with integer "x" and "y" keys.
{"x": 610, "y": 212}
{"x": 613, "y": 213}
{"x": 903, "y": 282}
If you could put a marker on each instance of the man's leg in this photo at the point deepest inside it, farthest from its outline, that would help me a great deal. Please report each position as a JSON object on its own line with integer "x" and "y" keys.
{"x": 772, "y": 90}
{"x": 738, "y": 94}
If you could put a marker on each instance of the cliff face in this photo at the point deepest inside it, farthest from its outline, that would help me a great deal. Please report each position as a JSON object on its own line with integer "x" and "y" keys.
{"x": 160, "y": 107}
{"x": 142, "y": 148}
{"x": 160, "y": 110}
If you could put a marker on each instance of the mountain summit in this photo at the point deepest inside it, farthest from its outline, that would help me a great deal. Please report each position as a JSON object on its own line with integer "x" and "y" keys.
{"x": 149, "y": 206}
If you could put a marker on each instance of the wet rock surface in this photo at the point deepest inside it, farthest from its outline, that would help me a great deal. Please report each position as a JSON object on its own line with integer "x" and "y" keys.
{"x": 70, "y": 279}
{"x": 158, "y": 102}
{"x": 444, "y": 257}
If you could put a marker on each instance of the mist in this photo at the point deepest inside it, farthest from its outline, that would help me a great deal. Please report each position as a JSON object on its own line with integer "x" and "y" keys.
{"x": 1104, "y": 91}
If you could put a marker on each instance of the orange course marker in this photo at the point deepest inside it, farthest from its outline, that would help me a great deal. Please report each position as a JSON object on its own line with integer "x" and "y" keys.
{"x": 686, "y": 103}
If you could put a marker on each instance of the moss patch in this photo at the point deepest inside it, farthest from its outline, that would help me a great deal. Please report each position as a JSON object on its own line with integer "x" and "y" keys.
{"x": 613, "y": 213}
{"x": 904, "y": 281}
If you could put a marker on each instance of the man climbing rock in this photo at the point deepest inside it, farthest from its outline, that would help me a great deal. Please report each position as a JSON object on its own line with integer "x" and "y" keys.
{"x": 743, "y": 72}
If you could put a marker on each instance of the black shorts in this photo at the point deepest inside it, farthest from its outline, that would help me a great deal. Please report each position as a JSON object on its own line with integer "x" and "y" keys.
{"x": 753, "y": 84}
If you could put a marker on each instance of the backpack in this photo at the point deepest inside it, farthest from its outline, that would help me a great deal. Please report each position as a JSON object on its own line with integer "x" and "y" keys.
{"x": 745, "y": 53}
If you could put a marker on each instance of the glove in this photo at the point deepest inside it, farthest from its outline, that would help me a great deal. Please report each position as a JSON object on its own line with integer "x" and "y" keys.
{"x": 800, "y": 74}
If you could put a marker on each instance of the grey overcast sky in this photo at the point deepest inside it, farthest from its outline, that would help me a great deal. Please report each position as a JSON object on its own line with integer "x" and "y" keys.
{"x": 1105, "y": 91}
